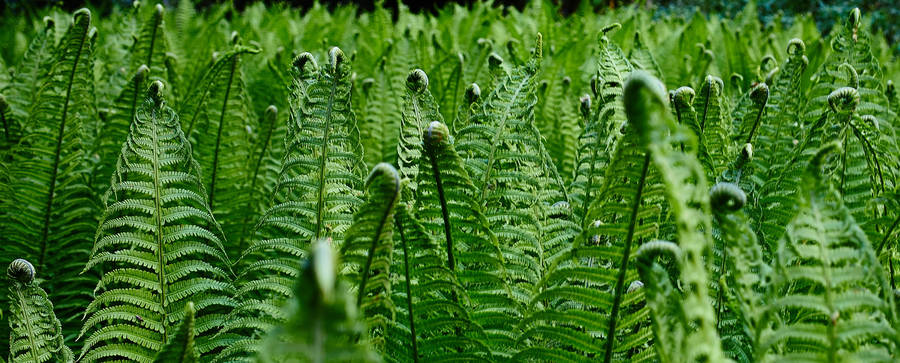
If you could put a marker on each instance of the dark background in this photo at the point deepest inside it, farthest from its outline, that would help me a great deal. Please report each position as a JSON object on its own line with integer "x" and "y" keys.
{"x": 884, "y": 13}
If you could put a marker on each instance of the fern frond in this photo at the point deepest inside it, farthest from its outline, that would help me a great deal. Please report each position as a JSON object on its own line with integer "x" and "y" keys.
{"x": 685, "y": 185}
{"x": 323, "y": 324}
{"x": 154, "y": 247}
{"x": 831, "y": 301}
{"x": 50, "y": 208}
{"x": 587, "y": 305}
{"x": 35, "y": 333}
{"x": 368, "y": 252}
{"x": 436, "y": 325}
{"x": 114, "y": 131}
{"x": 315, "y": 197}
{"x": 151, "y": 46}
{"x": 601, "y": 130}
{"x": 419, "y": 110}
{"x": 219, "y": 131}
{"x": 30, "y": 74}
{"x": 447, "y": 206}
{"x": 180, "y": 348}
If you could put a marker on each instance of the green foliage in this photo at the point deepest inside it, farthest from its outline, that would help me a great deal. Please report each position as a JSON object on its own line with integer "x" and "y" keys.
{"x": 528, "y": 200}
{"x": 180, "y": 348}
{"x": 36, "y": 335}
{"x": 323, "y": 325}
{"x": 153, "y": 246}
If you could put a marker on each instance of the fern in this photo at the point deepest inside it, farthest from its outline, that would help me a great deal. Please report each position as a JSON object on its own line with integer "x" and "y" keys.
{"x": 828, "y": 306}
{"x": 601, "y": 128}
{"x": 322, "y": 320}
{"x": 218, "y": 130}
{"x": 115, "y": 128}
{"x": 50, "y": 207}
{"x": 35, "y": 333}
{"x": 368, "y": 251}
{"x": 315, "y": 197}
{"x": 153, "y": 246}
{"x": 590, "y": 308}
{"x": 181, "y": 347}
{"x": 419, "y": 109}
{"x": 446, "y": 205}
{"x": 29, "y": 75}
{"x": 436, "y": 325}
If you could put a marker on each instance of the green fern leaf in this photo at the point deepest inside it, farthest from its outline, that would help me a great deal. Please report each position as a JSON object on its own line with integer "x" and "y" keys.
{"x": 154, "y": 248}
{"x": 436, "y": 326}
{"x": 419, "y": 109}
{"x": 219, "y": 130}
{"x": 323, "y": 324}
{"x": 315, "y": 197}
{"x": 30, "y": 74}
{"x": 35, "y": 333}
{"x": 831, "y": 302}
{"x": 115, "y": 128}
{"x": 447, "y": 206}
{"x": 50, "y": 208}
{"x": 368, "y": 250}
{"x": 180, "y": 348}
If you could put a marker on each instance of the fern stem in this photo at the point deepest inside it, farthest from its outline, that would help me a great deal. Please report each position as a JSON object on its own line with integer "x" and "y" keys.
{"x": 253, "y": 180}
{"x": 320, "y": 203}
{"x": 499, "y": 136}
{"x": 623, "y": 268}
{"x": 445, "y": 213}
{"x": 160, "y": 244}
{"x": 27, "y": 317}
{"x": 215, "y": 165}
{"x": 364, "y": 278}
{"x": 887, "y": 235}
{"x": 56, "y": 157}
{"x": 755, "y": 124}
{"x": 409, "y": 304}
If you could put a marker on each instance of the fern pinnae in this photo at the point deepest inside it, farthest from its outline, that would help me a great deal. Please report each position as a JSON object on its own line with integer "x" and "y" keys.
{"x": 842, "y": 312}
{"x": 49, "y": 205}
{"x": 419, "y": 109}
{"x": 115, "y": 127}
{"x": 180, "y": 349}
{"x": 685, "y": 187}
{"x": 35, "y": 333}
{"x": 317, "y": 193}
{"x": 30, "y": 74}
{"x": 368, "y": 250}
{"x": 153, "y": 246}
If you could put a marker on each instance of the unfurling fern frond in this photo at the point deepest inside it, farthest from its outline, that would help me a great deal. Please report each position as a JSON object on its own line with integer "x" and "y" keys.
{"x": 831, "y": 300}
{"x": 151, "y": 46}
{"x": 447, "y": 206}
{"x": 35, "y": 333}
{"x": 590, "y": 304}
{"x": 744, "y": 274}
{"x": 368, "y": 251}
{"x": 432, "y": 323}
{"x": 686, "y": 191}
{"x": 419, "y": 110}
{"x": 601, "y": 129}
{"x": 50, "y": 208}
{"x": 154, "y": 247}
{"x": 516, "y": 180}
{"x": 180, "y": 348}
{"x": 712, "y": 127}
{"x": 323, "y": 324}
{"x": 315, "y": 197}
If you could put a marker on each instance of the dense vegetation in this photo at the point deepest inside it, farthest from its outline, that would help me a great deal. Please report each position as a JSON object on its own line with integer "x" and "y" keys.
{"x": 485, "y": 184}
